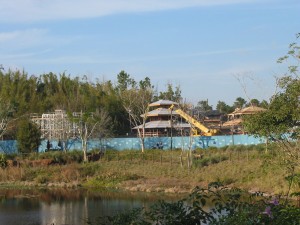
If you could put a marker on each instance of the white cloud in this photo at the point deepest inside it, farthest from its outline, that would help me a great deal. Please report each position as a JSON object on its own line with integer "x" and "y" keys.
{"x": 22, "y": 38}
{"x": 37, "y": 10}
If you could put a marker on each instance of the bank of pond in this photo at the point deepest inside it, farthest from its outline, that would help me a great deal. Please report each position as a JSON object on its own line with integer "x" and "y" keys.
{"x": 215, "y": 204}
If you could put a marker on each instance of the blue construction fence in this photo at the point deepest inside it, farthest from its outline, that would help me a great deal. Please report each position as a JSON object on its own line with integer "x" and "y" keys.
{"x": 150, "y": 143}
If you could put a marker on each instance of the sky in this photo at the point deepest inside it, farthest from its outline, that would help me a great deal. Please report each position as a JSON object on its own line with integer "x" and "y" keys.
{"x": 215, "y": 50}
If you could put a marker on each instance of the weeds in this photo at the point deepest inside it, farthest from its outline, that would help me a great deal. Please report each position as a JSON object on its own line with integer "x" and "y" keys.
{"x": 243, "y": 166}
{"x": 215, "y": 204}
{"x": 3, "y": 161}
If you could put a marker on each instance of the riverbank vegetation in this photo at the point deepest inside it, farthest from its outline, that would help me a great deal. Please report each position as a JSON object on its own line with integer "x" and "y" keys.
{"x": 247, "y": 167}
{"x": 255, "y": 191}
{"x": 214, "y": 205}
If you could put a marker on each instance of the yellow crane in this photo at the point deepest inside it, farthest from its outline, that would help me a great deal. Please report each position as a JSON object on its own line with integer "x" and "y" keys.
{"x": 196, "y": 125}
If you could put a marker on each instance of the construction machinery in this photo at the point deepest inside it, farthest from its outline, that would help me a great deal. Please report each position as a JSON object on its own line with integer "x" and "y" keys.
{"x": 197, "y": 128}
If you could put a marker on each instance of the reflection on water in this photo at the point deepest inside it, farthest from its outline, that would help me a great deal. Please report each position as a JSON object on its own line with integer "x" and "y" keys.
{"x": 67, "y": 206}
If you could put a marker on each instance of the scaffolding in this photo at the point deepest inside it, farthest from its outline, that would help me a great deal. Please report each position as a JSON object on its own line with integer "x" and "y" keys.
{"x": 56, "y": 125}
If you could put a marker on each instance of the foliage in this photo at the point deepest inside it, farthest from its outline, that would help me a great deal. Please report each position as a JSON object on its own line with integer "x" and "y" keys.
{"x": 215, "y": 205}
{"x": 48, "y": 92}
{"x": 28, "y": 136}
{"x": 223, "y": 107}
{"x": 109, "y": 179}
{"x": 3, "y": 161}
{"x": 203, "y": 106}
{"x": 170, "y": 94}
{"x": 135, "y": 101}
{"x": 281, "y": 121}
{"x": 6, "y": 116}
{"x": 91, "y": 125}
{"x": 239, "y": 102}
{"x": 206, "y": 161}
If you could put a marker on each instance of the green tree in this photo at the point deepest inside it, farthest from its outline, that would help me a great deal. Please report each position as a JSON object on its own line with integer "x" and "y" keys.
{"x": 111, "y": 102}
{"x": 264, "y": 104}
{"x": 28, "y": 136}
{"x": 125, "y": 81}
{"x": 283, "y": 114}
{"x": 239, "y": 103}
{"x": 204, "y": 106}
{"x": 254, "y": 102}
{"x": 280, "y": 123}
{"x": 170, "y": 94}
{"x": 135, "y": 101}
{"x": 223, "y": 107}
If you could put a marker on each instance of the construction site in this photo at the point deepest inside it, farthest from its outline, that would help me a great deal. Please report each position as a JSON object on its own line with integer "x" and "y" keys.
{"x": 166, "y": 126}
{"x": 56, "y": 125}
{"x": 166, "y": 118}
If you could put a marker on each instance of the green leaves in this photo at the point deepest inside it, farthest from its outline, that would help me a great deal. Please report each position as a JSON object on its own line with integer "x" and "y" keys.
{"x": 215, "y": 205}
{"x": 283, "y": 114}
{"x": 28, "y": 136}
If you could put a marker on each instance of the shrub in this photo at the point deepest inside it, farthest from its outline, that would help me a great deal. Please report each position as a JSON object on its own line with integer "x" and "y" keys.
{"x": 3, "y": 161}
{"x": 215, "y": 205}
{"x": 202, "y": 162}
{"x": 42, "y": 178}
{"x": 28, "y": 136}
{"x": 89, "y": 169}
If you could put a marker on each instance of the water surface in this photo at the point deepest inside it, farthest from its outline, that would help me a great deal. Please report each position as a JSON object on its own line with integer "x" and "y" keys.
{"x": 68, "y": 206}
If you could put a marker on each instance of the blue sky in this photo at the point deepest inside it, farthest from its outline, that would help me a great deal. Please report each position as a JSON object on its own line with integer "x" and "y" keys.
{"x": 212, "y": 49}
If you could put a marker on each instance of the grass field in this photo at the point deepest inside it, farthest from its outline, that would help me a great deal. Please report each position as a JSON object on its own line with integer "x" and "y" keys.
{"x": 176, "y": 171}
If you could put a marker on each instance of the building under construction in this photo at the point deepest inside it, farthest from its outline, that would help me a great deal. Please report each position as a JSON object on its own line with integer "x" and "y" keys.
{"x": 56, "y": 125}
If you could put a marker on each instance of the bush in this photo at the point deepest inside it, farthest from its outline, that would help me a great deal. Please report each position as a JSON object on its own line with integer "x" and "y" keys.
{"x": 42, "y": 178}
{"x": 28, "y": 136}
{"x": 215, "y": 205}
{"x": 209, "y": 160}
{"x": 3, "y": 161}
{"x": 89, "y": 169}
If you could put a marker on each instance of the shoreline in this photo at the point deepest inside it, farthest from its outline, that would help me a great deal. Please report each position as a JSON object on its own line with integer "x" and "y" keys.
{"x": 127, "y": 186}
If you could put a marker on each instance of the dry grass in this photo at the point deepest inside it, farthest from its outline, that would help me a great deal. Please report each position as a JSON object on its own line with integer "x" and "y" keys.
{"x": 163, "y": 171}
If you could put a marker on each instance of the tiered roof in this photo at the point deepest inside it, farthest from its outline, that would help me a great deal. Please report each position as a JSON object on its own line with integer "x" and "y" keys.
{"x": 163, "y": 103}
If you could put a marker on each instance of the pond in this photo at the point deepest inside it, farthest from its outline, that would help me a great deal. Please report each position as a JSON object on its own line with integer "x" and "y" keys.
{"x": 68, "y": 207}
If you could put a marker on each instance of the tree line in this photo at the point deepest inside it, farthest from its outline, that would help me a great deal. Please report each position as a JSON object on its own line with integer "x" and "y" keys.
{"x": 21, "y": 95}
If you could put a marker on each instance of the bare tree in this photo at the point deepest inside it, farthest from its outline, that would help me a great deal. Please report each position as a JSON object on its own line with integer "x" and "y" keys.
{"x": 136, "y": 101}
{"x": 91, "y": 125}
{"x": 6, "y": 116}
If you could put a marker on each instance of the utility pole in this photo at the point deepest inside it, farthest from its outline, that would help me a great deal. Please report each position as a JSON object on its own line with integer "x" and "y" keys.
{"x": 171, "y": 129}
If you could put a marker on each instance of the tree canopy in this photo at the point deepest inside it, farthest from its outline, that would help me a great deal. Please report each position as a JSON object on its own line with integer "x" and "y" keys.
{"x": 24, "y": 94}
{"x": 281, "y": 121}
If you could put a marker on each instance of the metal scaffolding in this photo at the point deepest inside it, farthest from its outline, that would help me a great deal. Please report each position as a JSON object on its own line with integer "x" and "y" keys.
{"x": 56, "y": 125}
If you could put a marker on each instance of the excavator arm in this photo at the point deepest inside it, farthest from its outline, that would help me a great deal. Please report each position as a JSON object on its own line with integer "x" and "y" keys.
{"x": 195, "y": 123}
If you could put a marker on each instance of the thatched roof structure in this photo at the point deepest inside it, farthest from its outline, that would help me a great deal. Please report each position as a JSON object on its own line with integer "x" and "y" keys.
{"x": 235, "y": 116}
{"x": 247, "y": 111}
{"x": 159, "y": 112}
{"x": 163, "y": 103}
